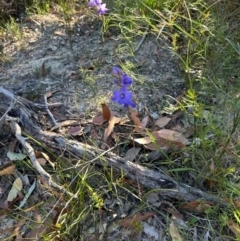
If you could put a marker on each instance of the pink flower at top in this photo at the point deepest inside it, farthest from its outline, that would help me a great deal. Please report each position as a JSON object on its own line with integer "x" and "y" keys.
{"x": 101, "y": 8}
{"x": 94, "y": 3}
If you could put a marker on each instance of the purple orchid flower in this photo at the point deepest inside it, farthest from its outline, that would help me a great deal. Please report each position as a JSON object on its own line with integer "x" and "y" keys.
{"x": 94, "y": 3}
{"x": 126, "y": 80}
{"x": 101, "y": 9}
{"x": 123, "y": 97}
{"x": 116, "y": 70}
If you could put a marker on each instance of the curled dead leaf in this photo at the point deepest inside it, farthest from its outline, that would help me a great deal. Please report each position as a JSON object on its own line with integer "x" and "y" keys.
{"x": 135, "y": 119}
{"x": 106, "y": 112}
{"x": 163, "y": 121}
{"x": 7, "y": 169}
{"x": 43, "y": 70}
{"x": 113, "y": 120}
{"x": 144, "y": 121}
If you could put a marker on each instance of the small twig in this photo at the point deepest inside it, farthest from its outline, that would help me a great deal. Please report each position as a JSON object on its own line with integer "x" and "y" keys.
{"x": 10, "y": 107}
{"x": 20, "y": 100}
{"x": 48, "y": 111}
{"x": 46, "y": 176}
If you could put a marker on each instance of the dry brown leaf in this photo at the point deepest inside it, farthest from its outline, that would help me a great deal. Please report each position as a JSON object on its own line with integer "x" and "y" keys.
{"x": 106, "y": 112}
{"x": 174, "y": 233}
{"x": 234, "y": 227}
{"x": 127, "y": 222}
{"x": 171, "y": 136}
{"x": 157, "y": 145}
{"x": 163, "y": 121}
{"x": 41, "y": 156}
{"x": 132, "y": 153}
{"x": 135, "y": 119}
{"x": 43, "y": 70}
{"x": 198, "y": 206}
{"x": 98, "y": 120}
{"x": 75, "y": 130}
{"x": 113, "y": 120}
{"x": 144, "y": 121}
{"x": 152, "y": 146}
{"x": 7, "y": 169}
{"x": 64, "y": 123}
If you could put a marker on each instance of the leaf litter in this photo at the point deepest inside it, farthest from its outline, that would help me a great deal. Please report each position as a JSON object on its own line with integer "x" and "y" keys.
{"x": 16, "y": 188}
{"x": 165, "y": 137}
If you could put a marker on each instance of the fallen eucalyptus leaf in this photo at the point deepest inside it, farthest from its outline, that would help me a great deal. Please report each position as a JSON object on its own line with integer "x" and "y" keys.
{"x": 16, "y": 187}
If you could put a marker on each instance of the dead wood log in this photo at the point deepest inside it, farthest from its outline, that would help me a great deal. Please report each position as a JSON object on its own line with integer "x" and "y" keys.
{"x": 146, "y": 177}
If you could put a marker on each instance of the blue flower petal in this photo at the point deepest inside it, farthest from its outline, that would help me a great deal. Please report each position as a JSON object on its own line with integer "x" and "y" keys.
{"x": 123, "y": 97}
{"x": 102, "y": 8}
{"x": 126, "y": 80}
{"x": 116, "y": 70}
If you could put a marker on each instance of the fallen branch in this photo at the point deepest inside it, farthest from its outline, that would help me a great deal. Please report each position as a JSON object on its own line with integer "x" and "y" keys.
{"x": 48, "y": 111}
{"x": 148, "y": 178}
{"x": 31, "y": 154}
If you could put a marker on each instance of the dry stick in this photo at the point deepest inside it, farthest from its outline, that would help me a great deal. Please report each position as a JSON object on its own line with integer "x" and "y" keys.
{"x": 48, "y": 111}
{"x": 46, "y": 176}
{"x": 146, "y": 177}
{"x": 18, "y": 99}
{"x": 10, "y": 107}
